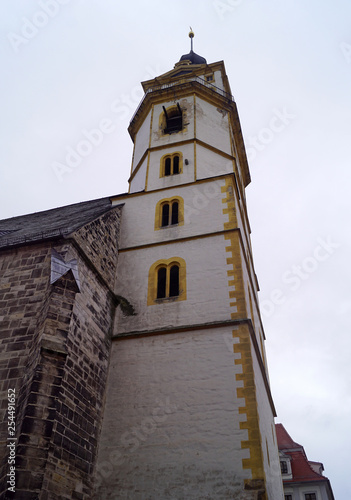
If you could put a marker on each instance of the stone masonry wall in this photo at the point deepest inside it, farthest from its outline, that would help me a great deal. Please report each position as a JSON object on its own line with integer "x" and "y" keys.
{"x": 23, "y": 284}
{"x": 55, "y": 341}
{"x": 99, "y": 241}
{"x": 79, "y": 408}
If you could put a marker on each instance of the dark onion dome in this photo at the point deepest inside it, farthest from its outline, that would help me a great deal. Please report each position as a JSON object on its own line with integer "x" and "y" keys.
{"x": 193, "y": 58}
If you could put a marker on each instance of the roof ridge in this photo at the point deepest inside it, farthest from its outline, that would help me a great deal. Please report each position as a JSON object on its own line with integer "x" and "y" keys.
{"x": 285, "y": 441}
{"x": 53, "y": 223}
{"x": 104, "y": 198}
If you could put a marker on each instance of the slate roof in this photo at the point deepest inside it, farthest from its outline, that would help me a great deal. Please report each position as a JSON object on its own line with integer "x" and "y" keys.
{"x": 51, "y": 223}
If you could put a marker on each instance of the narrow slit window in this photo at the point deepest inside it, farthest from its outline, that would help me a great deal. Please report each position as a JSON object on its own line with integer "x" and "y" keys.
{"x": 165, "y": 214}
{"x": 175, "y": 210}
{"x": 168, "y": 163}
{"x": 176, "y": 164}
{"x": 174, "y": 281}
{"x": 161, "y": 283}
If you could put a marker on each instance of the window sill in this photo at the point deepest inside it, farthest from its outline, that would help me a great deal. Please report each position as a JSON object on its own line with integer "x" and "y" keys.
{"x": 169, "y": 226}
{"x": 165, "y": 300}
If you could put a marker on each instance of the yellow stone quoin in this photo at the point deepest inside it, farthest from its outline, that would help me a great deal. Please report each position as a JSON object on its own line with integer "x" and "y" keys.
{"x": 242, "y": 347}
{"x": 248, "y": 393}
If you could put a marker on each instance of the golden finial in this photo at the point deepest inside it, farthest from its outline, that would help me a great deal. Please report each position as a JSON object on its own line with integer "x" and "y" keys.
{"x": 191, "y": 36}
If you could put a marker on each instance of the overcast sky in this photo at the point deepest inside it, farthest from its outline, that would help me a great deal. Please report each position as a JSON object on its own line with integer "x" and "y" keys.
{"x": 71, "y": 66}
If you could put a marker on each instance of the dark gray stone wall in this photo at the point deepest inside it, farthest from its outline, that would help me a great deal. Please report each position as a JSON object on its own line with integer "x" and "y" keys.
{"x": 55, "y": 347}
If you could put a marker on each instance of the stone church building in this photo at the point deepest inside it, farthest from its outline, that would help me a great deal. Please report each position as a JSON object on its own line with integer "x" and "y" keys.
{"x": 132, "y": 348}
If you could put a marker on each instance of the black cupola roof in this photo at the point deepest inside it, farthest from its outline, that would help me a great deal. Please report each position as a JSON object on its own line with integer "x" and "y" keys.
{"x": 193, "y": 58}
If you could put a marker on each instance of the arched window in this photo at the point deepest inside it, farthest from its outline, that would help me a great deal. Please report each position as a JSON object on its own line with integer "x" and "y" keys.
{"x": 169, "y": 212}
{"x": 171, "y": 165}
{"x": 167, "y": 281}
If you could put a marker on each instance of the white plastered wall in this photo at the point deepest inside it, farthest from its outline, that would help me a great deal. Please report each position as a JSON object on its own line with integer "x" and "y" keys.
{"x": 203, "y": 214}
{"x": 141, "y": 141}
{"x": 179, "y": 433}
{"x": 212, "y": 126}
{"x": 249, "y": 284}
{"x": 138, "y": 182}
{"x": 206, "y": 285}
{"x": 187, "y": 175}
{"x": 210, "y": 164}
{"x": 218, "y": 80}
{"x": 270, "y": 452}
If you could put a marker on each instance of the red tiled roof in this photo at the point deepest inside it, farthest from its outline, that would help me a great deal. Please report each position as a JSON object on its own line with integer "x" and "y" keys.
{"x": 284, "y": 440}
{"x": 301, "y": 469}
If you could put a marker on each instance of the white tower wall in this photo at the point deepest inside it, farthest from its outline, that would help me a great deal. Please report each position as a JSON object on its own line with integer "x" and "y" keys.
{"x": 189, "y": 412}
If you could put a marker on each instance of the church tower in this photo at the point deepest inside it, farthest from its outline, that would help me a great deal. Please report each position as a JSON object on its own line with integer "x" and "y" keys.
{"x": 188, "y": 411}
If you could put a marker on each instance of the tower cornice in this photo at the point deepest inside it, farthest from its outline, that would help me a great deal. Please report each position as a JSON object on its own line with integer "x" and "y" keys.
{"x": 188, "y": 79}
{"x": 185, "y": 70}
{"x": 179, "y": 88}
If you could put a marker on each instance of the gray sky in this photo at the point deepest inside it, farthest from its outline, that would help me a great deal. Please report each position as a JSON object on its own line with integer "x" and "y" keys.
{"x": 74, "y": 66}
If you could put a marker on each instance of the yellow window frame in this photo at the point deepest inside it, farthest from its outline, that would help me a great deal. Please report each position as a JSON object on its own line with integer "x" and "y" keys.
{"x": 171, "y": 156}
{"x": 159, "y": 207}
{"x": 152, "y": 281}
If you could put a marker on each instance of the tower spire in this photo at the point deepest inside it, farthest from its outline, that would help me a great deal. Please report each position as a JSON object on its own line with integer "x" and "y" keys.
{"x": 192, "y": 57}
{"x": 191, "y": 36}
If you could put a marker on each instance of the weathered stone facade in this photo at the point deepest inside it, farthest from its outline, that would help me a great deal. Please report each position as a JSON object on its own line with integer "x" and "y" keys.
{"x": 55, "y": 340}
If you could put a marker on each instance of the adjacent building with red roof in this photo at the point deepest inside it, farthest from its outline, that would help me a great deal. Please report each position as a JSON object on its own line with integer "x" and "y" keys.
{"x": 302, "y": 479}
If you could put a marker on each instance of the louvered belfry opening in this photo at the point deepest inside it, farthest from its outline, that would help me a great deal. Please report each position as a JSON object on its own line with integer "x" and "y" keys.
{"x": 174, "y": 120}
